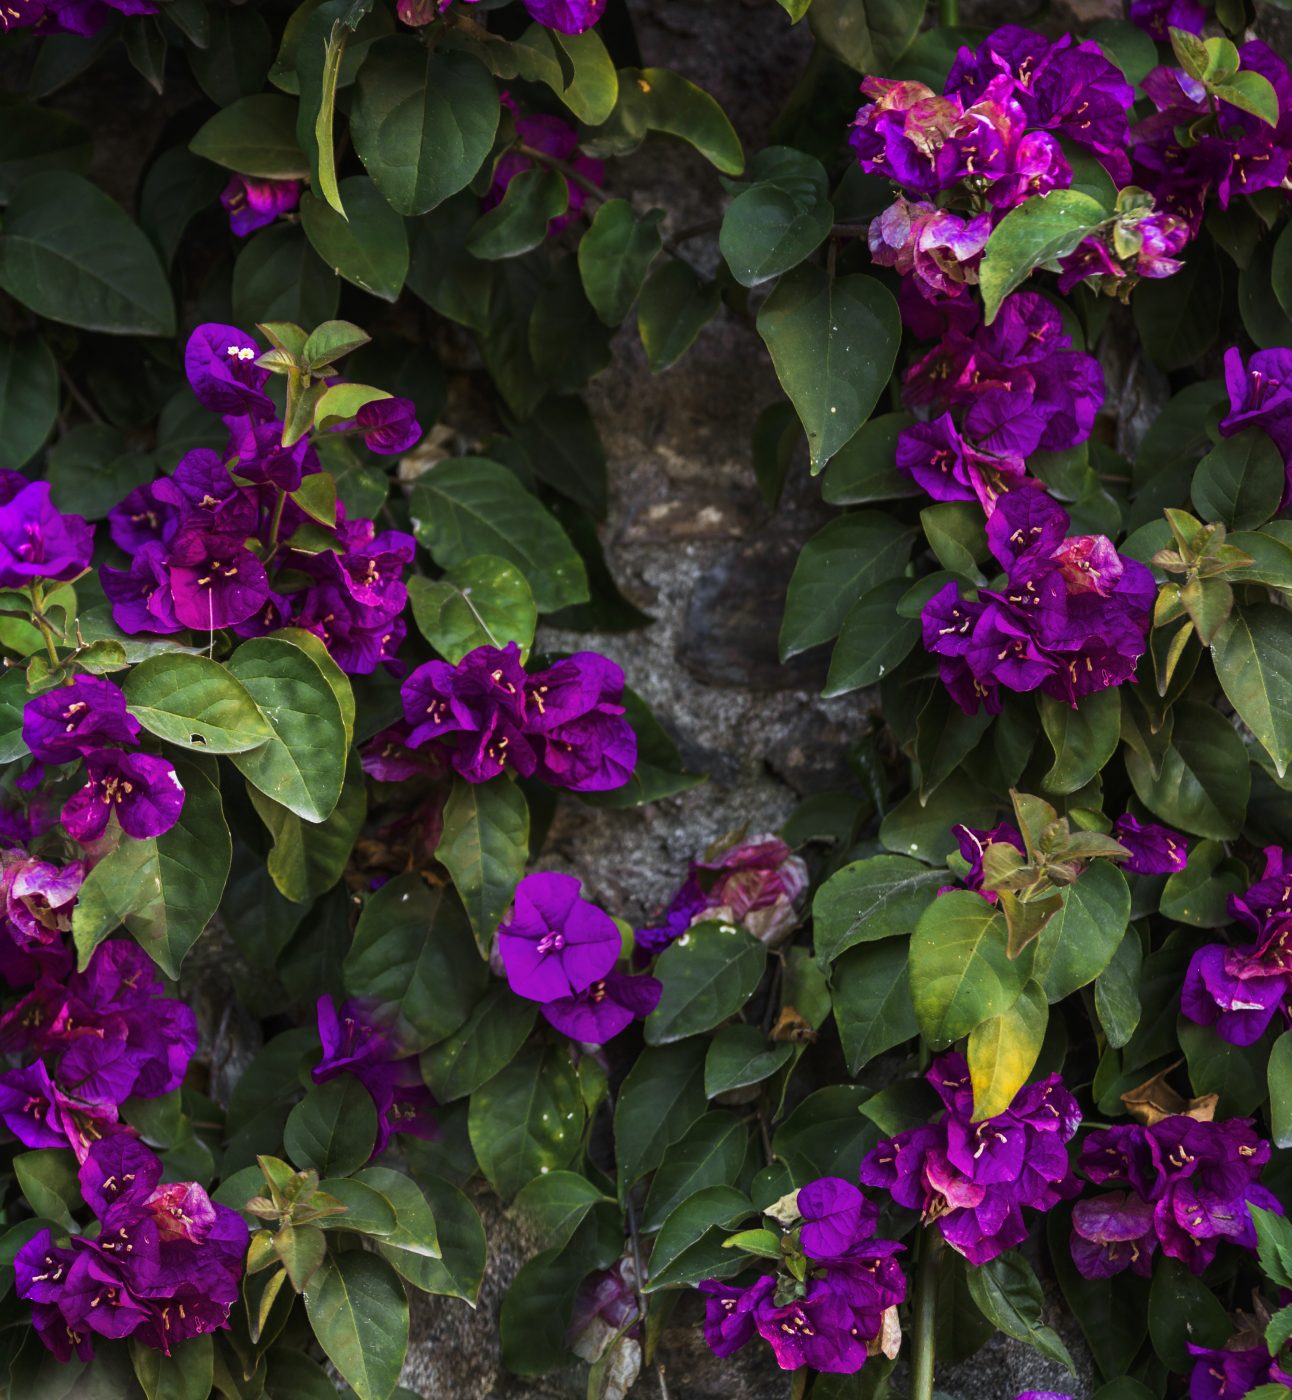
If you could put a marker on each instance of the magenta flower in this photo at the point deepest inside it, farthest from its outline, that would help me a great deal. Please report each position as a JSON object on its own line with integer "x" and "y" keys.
{"x": 63, "y": 724}
{"x": 220, "y": 362}
{"x": 1224, "y": 1374}
{"x": 83, "y": 17}
{"x": 575, "y": 720}
{"x": 1155, "y": 850}
{"x": 215, "y": 581}
{"x": 974, "y": 1179}
{"x": 599, "y": 1012}
{"x": 390, "y": 425}
{"x": 39, "y": 542}
{"x": 1156, "y": 17}
{"x": 252, "y": 204}
{"x": 142, "y": 789}
{"x": 940, "y": 249}
{"x": 141, "y": 596}
{"x": 150, "y": 513}
{"x": 548, "y": 134}
{"x": 556, "y": 944}
{"x": 973, "y": 845}
{"x": 729, "y": 1313}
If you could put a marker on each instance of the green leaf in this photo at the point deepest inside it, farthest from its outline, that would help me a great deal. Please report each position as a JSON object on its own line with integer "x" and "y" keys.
{"x": 1240, "y": 481}
{"x": 871, "y": 899}
{"x": 662, "y": 1095}
{"x": 565, "y": 450}
{"x": 39, "y": 138}
{"x": 1183, "y": 1310}
{"x": 554, "y": 1206}
{"x": 89, "y": 465}
{"x": 47, "y": 1179}
{"x": 826, "y": 1135}
{"x": 872, "y": 641}
{"x": 689, "y": 1244}
{"x": 1009, "y": 1296}
{"x": 459, "y": 1271}
{"x": 1178, "y": 317}
{"x": 333, "y": 1127}
{"x": 308, "y": 859}
{"x": 863, "y": 469}
{"x": 1083, "y": 936}
{"x": 255, "y": 136}
{"x": 673, "y": 307}
{"x": 668, "y": 103}
{"x": 300, "y": 1249}
{"x": 710, "y": 1153}
{"x": 368, "y": 246}
{"x": 359, "y": 1313}
{"x": 1236, "y": 1074}
{"x": 484, "y": 844}
{"x": 775, "y": 223}
{"x": 423, "y": 121}
{"x": 871, "y": 992}
{"x": 960, "y": 974}
{"x": 1204, "y": 781}
{"x": 615, "y": 255}
{"x": 279, "y": 277}
{"x": 1253, "y": 660}
{"x": 1280, "y": 1082}
{"x": 576, "y": 67}
{"x": 543, "y": 1291}
{"x": 183, "y": 1375}
{"x": 414, "y": 956}
{"x": 1117, "y": 991}
{"x": 1199, "y": 894}
{"x": 414, "y": 1231}
{"x": 1003, "y": 1051}
{"x": 441, "y": 271}
{"x": 1273, "y": 1245}
{"x": 366, "y": 1210}
{"x": 869, "y": 38}
{"x": 196, "y": 703}
{"x": 70, "y": 253}
{"x": 499, "y": 1024}
{"x": 164, "y": 889}
{"x": 518, "y": 223}
{"x": 1083, "y": 738}
{"x": 528, "y": 1119}
{"x": 833, "y": 343}
{"x": 468, "y": 506}
{"x": 1250, "y": 92}
{"x": 1041, "y": 230}
{"x": 741, "y": 1055}
{"x": 29, "y": 395}
{"x": 303, "y": 766}
{"x": 659, "y": 773}
{"x": 846, "y": 559}
{"x": 707, "y": 975}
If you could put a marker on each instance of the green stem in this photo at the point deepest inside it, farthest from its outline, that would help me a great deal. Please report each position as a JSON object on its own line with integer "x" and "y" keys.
{"x": 922, "y": 1326}
{"x": 276, "y": 523}
{"x": 948, "y": 13}
{"x": 42, "y": 622}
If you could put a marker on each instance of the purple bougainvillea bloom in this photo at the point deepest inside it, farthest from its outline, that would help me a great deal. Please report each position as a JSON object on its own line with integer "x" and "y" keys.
{"x": 215, "y": 581}
{"x": 835, "y": 1215}
{"x": 120, "y": 1171}
{"x": 1197, "y": 1179}
{"x": 261, "y": 458}
{"x": 566, "y": 16}
{"x": 575, "y": 717}
{"x": 729, "y": 1312}
{"x": 252, "y": 204}
{"x": 358, "y": 637}
{"x": 65, "y": 723}
{"x": 83, "y": 17}
{"x": 150, "y": 513}
{"x": 1044, "y": 1395}
{"x": 553, "y": 137}
{"x": 556, "y": 944}
{"x": 1155, "y": 850}
{"x": 390, "y": 425}
{"x": 352, "y": 1040}
{"x": 815, "y": 1330}
{"x": 974, "y": 1179}
{"x": 220, "y": 362}
{"x": 1228, "y": 1373}
{"x": 478, "y": 707}
{"x": 599, "y": 1012}
{"x": 141, "y": 596}
{"x": 1156, "y": 17}
{"x": 1260, "y": 395}
{"x": 39, "y": 542}
{"x": 141, "y": 788}
{"x": 941, "y": 250}
{"x": 973, "y": 845}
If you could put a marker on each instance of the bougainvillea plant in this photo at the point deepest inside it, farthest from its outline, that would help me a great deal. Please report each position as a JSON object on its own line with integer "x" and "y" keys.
{"x": 997, "y": 1036}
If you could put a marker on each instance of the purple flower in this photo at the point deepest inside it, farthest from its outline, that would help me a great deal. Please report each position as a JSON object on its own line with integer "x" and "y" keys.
{"x": 39, "y": 542}
{"x": 353, "y": 1043}
{"x": 1227, "y": 1374}
{"x": 729, "y": 1312}
{"x": 548, "y": 134}
{"x": 566, "y": 16}
{"x": 141, "y": 596}
{"x": 976, "y": 1178}
{"x": 1197, "y": 1181}
{"x": 142, "y": 789}
{"x": 816, "y": 1330}
{"x": 575, "y": 719}
{"x": 84, "y": 17}
{"x": 63, "y": 724}
{"x": 220, "y": 362}
{"x": 1154, "y": 849}
{"x": 215, "y": 581}
{"x": 941, "y": 250}
{"x": 359, "y": 638}
{"x": 599, "y": 1012}
{"x": 150, "y": 513}
{"x": 973, "y": 845}
{"x": 390, "y": 425}
{"x": 39, "y": 1114}
{"x": 835, "y": 1215}
{"x": 120, "y": 1171}
{"x": 556, "y": 944}
{"x": 1156, "y": 17}
{"x": 251, "y": 204}
{"x": 257, "y": 454}
{"x": 1260, "y": 395}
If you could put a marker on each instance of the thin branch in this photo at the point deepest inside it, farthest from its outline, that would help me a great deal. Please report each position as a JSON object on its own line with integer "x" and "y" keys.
{"x": 81, "y": 401}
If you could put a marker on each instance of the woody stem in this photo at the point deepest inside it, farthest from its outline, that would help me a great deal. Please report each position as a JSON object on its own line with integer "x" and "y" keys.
{"x": 922, "y": 1326}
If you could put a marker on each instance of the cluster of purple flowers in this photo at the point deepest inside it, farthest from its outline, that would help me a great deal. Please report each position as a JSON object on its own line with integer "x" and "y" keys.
{"x": 1233, "y": 1371}
{"x": 564, "y": 725}
{"x": 355, "y": 1042}
{"x": 1000, "y": 393}
{"x": 91, "y": 1040}
{"x": 755, "y": 881}
{"x": 991, "y": 140}
{"x": 84, "y": 17}
{"x": 1188, "y": 1185}
{"x": 165, "y": 1265}
{"x": 1196, "y": 144}
{"x": 211, "y": 545}
{"x": 87, "y": 719}
{"x": 1072, "y": 617}
{"x": 253, "y": 204}
{"x": 554, "y": 138}
{"x": 561, "y": 951}
{"x": 974, "y": 1179}
{"x": 832, "y": 1316}
{"x": 1240, "y": 991}
{"x": 1151, "y": 849}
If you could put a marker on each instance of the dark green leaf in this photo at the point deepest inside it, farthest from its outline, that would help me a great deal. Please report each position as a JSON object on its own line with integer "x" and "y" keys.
{"x": 1177, "y": 317}
{"x": 1010, "y": 1296}
{"x": 862, "y": 471}
{"x": 687, "y": 1247}
{"x": 871, "y": 992}
{"x": 710, "y": 1153}
{"x": 359, "y": 1313}
{"x": 1253, "y": 659}
{"x": 28, "y": 397}
{"x": 773, "y": 224}
{"x": 368, "y": 246}
{"x": 707, "y": 975}
{"x": 518, "y": 223}
{"x": 459, "y": 1272}
{"x": 1117, "y": 991}
{"x": 672, "y": 308}
{"x": 872, "y": 641}
{"x": 33, "y": 139}
{"x": 1082, "y": 938}
{"x": 255, "y": 136}
{"x": 308, "y": 859}
{"x": 1041, "y": 230}
{"x": 194, "y": 702}
{"x": 826, "y": 1135}
{"x": 333, "y": 1127}
{"x": 554, "y": 1206}
{"x": 484, "y": 844}
{"x": 615, "y": 255}
{"x": 1240, "y": 481}
{"x": 279, "y": 277}
{"x": 1280, "y": 1085}
{"x": 498, "y": 1026}
{"x": 1204, "y": 781}
{"x": 1083, "y": 738}
{"x": 738, "y": 1056}
{"x": 871, "y": 899}
{"x": 1183, "y": 1310}
{"x": 661, "y": 1097}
